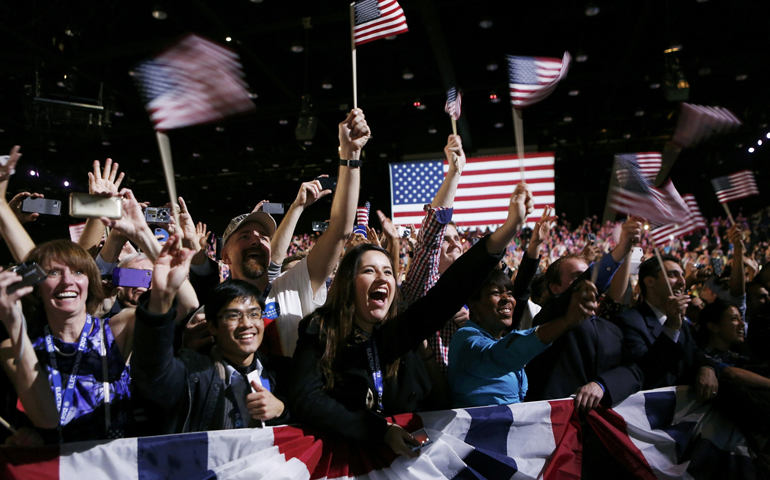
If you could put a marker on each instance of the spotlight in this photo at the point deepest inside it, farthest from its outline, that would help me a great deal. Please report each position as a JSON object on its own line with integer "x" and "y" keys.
{"x": 228, "y": 39}
{"x": 751, "y": 149}
{"x": 66, "y": 183}
{"x": 158, "y": 13}
{"x": 32, "y": 172}
{"x": 759, "y": 142}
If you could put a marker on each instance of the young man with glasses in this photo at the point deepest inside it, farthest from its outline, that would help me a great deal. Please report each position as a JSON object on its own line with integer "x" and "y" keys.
{"x": 233, "y": 386}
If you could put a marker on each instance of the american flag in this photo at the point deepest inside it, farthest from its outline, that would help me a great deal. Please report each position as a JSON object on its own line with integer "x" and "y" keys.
{"x": 483, "y": 193}
{"x": 697, "y": 123}
{"x": 635, "y": 195}
{"x": 532, "y": 79}
{"x": 735, "y": 186}
{"x": 195, "y": 81}
{"x": 453, "y": 101}
{"x": 376, "y": 19}
{"x": 649, "y": 164}
{"x": 693, "y": 222}
{"x": 362, "y": 219}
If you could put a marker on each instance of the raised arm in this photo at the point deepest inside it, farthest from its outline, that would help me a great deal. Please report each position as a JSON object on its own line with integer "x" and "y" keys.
{"x": 353, "y": 134}
{"x": 17, "y": 239}
{"x": 104, "y": 182}
{"x": 309, "y": 193}
{"x": 28, "y": 377}
{"x": 390, "y": 232}
{"x": 445, "y": 197}
{"x": 520, "y": 206}
{"x": 737, "y": 274}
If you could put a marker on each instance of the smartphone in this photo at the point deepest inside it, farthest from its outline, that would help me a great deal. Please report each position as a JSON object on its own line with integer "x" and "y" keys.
{"x": 328, "y": 183}
{"x": 320, "y": 226}
{"x": 83, "y": 205}
{"x": 31, "y": 274}
{"x": 272, "y": 207}
{"x": 421, "y": 436}
{"x": 161, "y": 231}
{"x": 404, "y": 232}
{"x": 44, "y": 206}
{"x": 636, "y": 260}
{"x": 591, "y": 237}
{"x": 157, "y": 215}
{"x": 131, "y": 277}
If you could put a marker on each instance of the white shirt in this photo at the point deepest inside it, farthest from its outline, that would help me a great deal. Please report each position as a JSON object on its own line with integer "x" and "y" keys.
{"x": 670, "y": 332}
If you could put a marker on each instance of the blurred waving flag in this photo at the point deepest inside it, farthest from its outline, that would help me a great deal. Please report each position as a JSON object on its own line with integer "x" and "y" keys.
{"x": 693, "y": 222}
{"x": 376, "y": 19}
{"x": 453, "y": 101}
{"x": 635, "y": 195}
{"x": 732, "y": 187}
{"x": 532, "y": 79}
{"x": 697, "y": 123}
{"x": 195, "y": 81}
{"x": 483, "y": 193}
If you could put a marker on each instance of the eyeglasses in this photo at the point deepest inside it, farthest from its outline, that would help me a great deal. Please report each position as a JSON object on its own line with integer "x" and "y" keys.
{"x": 235, "y": 317}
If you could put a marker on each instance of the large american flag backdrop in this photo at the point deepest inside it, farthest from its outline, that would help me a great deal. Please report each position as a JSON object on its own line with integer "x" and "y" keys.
{"x": 483, "y": 192}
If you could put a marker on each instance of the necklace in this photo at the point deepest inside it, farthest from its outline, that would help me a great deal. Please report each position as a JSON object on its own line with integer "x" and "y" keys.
{"x": 64, "y": 354}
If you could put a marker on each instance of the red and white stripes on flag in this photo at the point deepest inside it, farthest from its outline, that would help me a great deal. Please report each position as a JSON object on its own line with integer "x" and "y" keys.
{"x": 532, "y": 79}
{"x": 697, "y": 123}
{"x": 484, "y": 191}
{"x": 732, "y": 187}
{"x": 649, "y": 164}
{"x": 693, "y": 222}
{"x": 195, "y": 81}
{"x": 375, "y": 19}
{"x": 453, "y": 102}
{"x": 362, "y": 214}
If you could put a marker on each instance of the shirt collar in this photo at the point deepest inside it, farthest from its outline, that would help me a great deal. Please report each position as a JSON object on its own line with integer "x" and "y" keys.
{"x": 659, "y": 314}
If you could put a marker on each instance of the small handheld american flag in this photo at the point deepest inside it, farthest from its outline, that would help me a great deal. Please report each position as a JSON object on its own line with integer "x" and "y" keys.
{"x": 375, "y": 19}
{"x": 733, "y": 187}
{"x": 194, "y": 81}
{"x": 697, "y": 123}
{"x": 362, "y": 219}
{"x": 532, "y": 79}
{"x": 693, "y": 222}
{"x": 453, "y": 101}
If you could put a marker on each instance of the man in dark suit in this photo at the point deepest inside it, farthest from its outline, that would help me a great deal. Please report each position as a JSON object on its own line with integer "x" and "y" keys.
{"x": 588, "y": 361}
{"x": 657, "y": 334}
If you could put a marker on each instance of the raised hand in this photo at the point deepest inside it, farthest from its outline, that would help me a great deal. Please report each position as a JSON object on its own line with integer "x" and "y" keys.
{"x": 522, "y": 204}
{"x": 542, "y": 226}
{"x": 15, "y": 205}
{"x": 353, "y": 133}
{"x": 8, "y": 169}
{"x": 583, "y": 303}
{"x": 10, "y": 307}
{"x": 107, "y": 181}
{"x": 455, "y": 154}
{"x": 190, "y": 237}
{"x": 388, "y": 228}
{"x": 171, "y": 269}
{"x": 310, "y": 192}
{"x": 133, "y": 221}
{"x": 203, "y": 234}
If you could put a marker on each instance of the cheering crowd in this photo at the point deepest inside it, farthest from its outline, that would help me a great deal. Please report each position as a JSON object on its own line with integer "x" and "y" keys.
{"x": 340, "y": 331}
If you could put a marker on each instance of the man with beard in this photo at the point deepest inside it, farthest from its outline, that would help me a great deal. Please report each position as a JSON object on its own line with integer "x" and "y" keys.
{"x": 298, "y": 292}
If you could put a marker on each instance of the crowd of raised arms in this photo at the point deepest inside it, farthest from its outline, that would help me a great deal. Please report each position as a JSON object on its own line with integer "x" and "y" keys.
{"x": 339, "y": 331}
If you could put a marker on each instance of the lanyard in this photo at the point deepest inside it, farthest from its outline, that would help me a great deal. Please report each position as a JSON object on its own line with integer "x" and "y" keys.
{"x": 64, "y": 402}
{"x": 374, "y": 368}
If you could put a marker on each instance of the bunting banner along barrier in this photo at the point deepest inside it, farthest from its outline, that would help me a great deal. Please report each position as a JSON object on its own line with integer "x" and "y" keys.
{"x": 657, "y": 434}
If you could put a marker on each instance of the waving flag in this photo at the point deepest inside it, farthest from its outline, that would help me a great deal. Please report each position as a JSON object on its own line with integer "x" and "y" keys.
{"x": 733, "y": 187}
{"x": 697, "y": 123}
{"x": 195, "y": 81}
{"x": 453, "y": 101}
{"x": 375, "y": 19}
{"x": 693, "y": 222}
{"x": 532, "y": 79}
{"x": 635, "y": 195}
{"x": 483, "y": 193}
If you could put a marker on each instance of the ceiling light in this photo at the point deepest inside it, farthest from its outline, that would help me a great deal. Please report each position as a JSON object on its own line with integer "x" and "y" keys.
{"x": 275, "y": 165}
{"x": 392, "y": 37}
{"x": 499, "y": 125}
{"x": 493, "y": 97}
{"x": 106, "y": 143}
{"x": 421, "y": 107}
{"x": 491, "y": 67}
{"x": 196, "y": 154}
{"x": 297, "y": 47}
{"x": 225, "y": 170}
{"x": 486, "y": 23}
{"x": 66, "y": 183}
{"x": 741, "y": 77}
{"x": 308, "y": 142}
{"x": 407, "y": 75}
{"x": 751, "y": 149}
{"x": 432, "y": 130}
{"x": 383, "y": 155}
{"x": 249, "y": 183}
{"x": 158, "y": 13}
{"x": 145, "y": 160}
{"x": 768, "y": 135}
{"x": 327, "y": 84}
{"x": 574, "y": 93}
{"x": 626, "y": 136}
{"x": 228, "y": 39}
{"x": 704, "y": 71}
{"x": 639, "y": 113}
{"x": 654, "y": 86}
{"x": 32, "y": 172}
{"x": 249, "y": 149}
{"x": 204, "y": 187}
{"x": 567, "y": 119}
{"x": 592, "y": 10}
{"x": 256, "y": 1}
{"x": 118, "y": 114}
{"x": 220, "y": 129}
{"x": 581, "y": 57}
{"x": 283, "y": 121}
{"x": 253, "y": 95}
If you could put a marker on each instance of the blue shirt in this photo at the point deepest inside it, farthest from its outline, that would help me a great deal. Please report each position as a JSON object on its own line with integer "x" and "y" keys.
{"x": 487, "y": 371}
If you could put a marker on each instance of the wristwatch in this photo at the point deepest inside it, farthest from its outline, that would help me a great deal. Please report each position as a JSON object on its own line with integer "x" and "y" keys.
{"x": 351, "y": 163}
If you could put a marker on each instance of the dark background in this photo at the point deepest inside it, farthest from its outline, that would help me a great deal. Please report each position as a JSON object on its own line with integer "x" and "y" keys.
{"x": 226, "y": 168}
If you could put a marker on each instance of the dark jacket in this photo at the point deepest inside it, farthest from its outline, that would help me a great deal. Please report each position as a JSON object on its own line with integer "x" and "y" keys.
{"x": 592, "y": 351}
{"x": 344, "y": 410}
{"x": 663, "y": 362}
{"x": 187, "y": 388}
